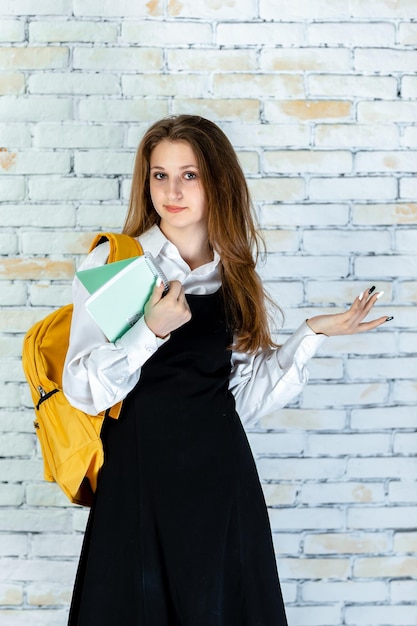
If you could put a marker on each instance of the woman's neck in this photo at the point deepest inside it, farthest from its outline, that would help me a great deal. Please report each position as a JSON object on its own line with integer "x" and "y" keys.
{"x": 193, "y": 247}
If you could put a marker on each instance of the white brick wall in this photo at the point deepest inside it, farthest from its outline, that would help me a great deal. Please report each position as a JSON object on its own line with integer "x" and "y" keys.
{"x": 320, "y": 99}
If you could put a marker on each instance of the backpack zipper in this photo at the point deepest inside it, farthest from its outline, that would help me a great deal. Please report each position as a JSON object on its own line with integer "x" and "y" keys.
{"x": 44, "y": 395}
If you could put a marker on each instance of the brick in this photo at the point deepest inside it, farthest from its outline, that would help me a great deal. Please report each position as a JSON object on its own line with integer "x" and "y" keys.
{"x": 304, "y": 215}
{"x": 11, "y": 370}
{"x": 84, "y": 83}
{"x": 407, "y": 342}
{"x": 43, "y": 7}
{"x": 267, "y": 135}
{"x": 45, "y": 215}
{"x": 298, "y": 469}
{"x": 123, "y": 8}
{"x": 351, "y": 33}
{"x": 386, "y": 111}
{"x": 305, "y": 518}
{"x": 342, "y": 492}
{"x": 407, "y": 33}
{"x": 48, "y": 31}
{"x": 342, "y": 292}
{"x": 36, "y": 269}
{"x": 408, "y": 188}
{"x": 326, "y": 369}
{"x": 33, "y": 521}
{"x": 103, "y": 162}
{"x": 77, "y": 135}
{"x": 390, "y": 60}
{"x": 117, "y": 58}
{"x": 218, "y": 109}
{"x": 16, "y": 421}
{"x": 382, "y": 418}
{"x": 406, "y": 493}
{"x": 407, "y": 292}
{"x": 405, "y": 391}
{"x": 37, "y": 618}
{"x": 209, "y": 10}
{"x": 194, "y": 85}
{"x": 38, "y": 570}
{"x": 379, "y": 214}
{"x": 325, "y": 241}
{"x": 15, "y": 136}
{"x": 308, "y": 161}
{"x": 377, "y": 342}
{"x": 346, "y": 591}
{"x": 406, "y": 241}
{"x": 281, "y": 241}
{"x": 383, "y": 467}
{"x": 11, "y": 495}
{"x": 364, "y": 615}
{"x": 13, "y": 545}
{"x": 385, "y": 517}
{"x": 11, "y": 347}
{"x": 297, "y": 266}
{"x": 384, "y": 9}
{"x": 12, "y": 31}
{"x": 286, "y": 293}
{"x": 305, "y": 59}
{"x": 269, "y": 443}
{"x": 34, "y": 162}
{"x": 11, "y": 83}
{"x": 8, "y": 242}
{"x": 12, "y": 188}
{"x": 16, "y": 445}
{"x": 318, "y": 615}
{"x": 286, "y": 543}
{"x": 212, "y": 60}
{"x": 249, "y": 162}
{"x": 97, "y": 109}
{"x": 346, "y": 543}
{"x": 386, "y": 161}
{"x": 11, "y": 594}
{"x": 409, "y": 87}
{"x": 351, "y": 86}
{"x": 55, "y": 242}
{"x": 107, "y": 216}
{"x": 356, "y": 135}
{"x": 409, "y": 139}
{"x": 353, "y": 188}
{"x": 56, "y": 545}
{"x": 401, "y": 265}
{"x": 299, "y": 9}
{"x": 155, "y": 33}
{"x": 380, "y": 369}
{"x": 264, "y": 85}
{"x": 44, "y": 188}
{"x": 344, "y": 395}
{"x": 265, "y": 34}
{"x": 49, "y": 594}
{"x": 351, "y": 444}
{"x": 33, "y": 58}
{"x": 277, "y": 189}
{"x": 12, "y": 294}
{"x": 34, "y": 109}
{"x": 307, "y": 110}
{"x": 385, "y": 567}
{"x": 79, "y": 518}
{"x": 314, "y": 568}
{"x": 279, "y": 495}
{"x": 49, "y": 295}
{"x": 309, "y": 419}
{"x": 403, "y": 590}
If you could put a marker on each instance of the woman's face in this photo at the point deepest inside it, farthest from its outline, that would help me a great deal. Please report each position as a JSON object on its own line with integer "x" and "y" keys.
{"x": 176, "y": 188}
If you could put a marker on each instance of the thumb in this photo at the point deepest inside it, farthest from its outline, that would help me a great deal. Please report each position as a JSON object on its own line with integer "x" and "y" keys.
{"x": 157, "y": 292}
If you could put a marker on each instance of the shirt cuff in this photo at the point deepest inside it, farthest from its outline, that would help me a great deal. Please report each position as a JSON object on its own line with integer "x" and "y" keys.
{"x": 300, "y": 347}
{"x": 139, "y": 344}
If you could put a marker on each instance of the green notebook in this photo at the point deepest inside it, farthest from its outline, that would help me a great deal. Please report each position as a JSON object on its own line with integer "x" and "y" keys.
{"x": 119, "y": 292}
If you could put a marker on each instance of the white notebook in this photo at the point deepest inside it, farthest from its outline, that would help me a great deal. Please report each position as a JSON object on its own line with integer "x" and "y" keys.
{"x": 119, "y": 292}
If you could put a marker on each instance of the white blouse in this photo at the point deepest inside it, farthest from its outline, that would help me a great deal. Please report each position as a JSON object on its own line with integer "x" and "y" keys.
{"x": 98, "y": 374}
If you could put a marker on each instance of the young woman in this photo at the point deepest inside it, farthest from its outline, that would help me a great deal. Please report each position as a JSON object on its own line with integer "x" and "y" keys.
{"x": 178, "y": 534}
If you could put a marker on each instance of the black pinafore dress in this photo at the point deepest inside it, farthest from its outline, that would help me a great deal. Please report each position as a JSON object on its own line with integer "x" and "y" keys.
{"x": 178, "y": 534}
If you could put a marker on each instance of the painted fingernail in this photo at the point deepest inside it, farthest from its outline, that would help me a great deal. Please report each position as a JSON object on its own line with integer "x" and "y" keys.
{"x": 158, "y": 281}
{"x": 380, "y": 294}
{"x": 360, "y": 295}
{"x": 389, "y": 319}
{"x": 371, "y": 290}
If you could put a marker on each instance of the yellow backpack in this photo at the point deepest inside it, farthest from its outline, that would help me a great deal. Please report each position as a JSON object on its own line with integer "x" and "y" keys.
{"x": 69, "y": 438}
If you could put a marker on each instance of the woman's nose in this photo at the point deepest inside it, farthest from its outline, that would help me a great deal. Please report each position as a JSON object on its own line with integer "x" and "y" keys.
{"x": 174, "y": 190}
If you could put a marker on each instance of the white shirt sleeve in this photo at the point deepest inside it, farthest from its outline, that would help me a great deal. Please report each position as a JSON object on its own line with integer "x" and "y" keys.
{"x": 271, "y": 378}
{"x": 98, "y": 374}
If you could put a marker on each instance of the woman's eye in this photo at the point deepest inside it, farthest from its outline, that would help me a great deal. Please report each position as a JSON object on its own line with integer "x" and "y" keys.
{"x": 159, "y": 176}
{"x": 190, "y": 175}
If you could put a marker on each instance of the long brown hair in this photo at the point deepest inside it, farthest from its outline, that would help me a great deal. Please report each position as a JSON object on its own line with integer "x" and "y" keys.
{"x": 231, "y": 228}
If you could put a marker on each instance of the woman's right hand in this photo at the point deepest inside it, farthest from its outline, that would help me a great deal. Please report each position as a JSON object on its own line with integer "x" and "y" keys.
{"x": 165, "y": 314}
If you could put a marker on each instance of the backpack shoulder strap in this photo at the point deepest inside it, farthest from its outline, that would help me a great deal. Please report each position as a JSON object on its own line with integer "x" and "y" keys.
{"x": 121, "y": 246}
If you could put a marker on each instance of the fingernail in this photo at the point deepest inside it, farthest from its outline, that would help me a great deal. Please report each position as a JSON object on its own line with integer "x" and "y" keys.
{"x": 372, "y": 289}
{"x": 158, "y": 281}
{"x": 389, "y": 319}
{"x": 360, "y": 295}
{"x": 381, "y": 293}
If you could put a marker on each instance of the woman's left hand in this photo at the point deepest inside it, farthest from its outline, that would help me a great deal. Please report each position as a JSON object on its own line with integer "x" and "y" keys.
{"x": 351, "y": 321}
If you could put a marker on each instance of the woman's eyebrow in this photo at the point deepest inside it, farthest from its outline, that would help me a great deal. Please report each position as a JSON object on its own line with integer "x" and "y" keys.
{"x": 183, "y": 167}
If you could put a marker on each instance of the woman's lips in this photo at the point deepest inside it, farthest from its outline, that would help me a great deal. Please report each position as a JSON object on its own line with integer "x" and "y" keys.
{"x": 174, "y": 209}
